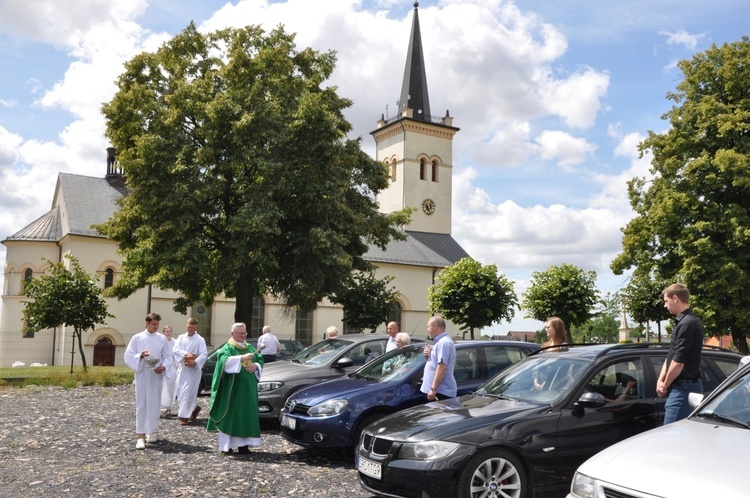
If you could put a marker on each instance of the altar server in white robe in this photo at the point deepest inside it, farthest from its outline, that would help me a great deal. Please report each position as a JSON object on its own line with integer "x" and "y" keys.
{"x": 190, "y": 354}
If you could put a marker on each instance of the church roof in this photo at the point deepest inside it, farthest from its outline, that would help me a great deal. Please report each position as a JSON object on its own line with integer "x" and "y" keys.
{"x": 414, "y": 93}
{"x": 85, "y": 201}
{"x": 46, "y": 228}
{"x": 419, "y": 249}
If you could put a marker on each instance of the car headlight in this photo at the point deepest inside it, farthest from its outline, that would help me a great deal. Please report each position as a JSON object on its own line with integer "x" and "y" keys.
{"x": 583, "y": 486}
{"x": 326, "y": 408}
{"x": 427, "y": 450}
{"x": 264, "y": 387}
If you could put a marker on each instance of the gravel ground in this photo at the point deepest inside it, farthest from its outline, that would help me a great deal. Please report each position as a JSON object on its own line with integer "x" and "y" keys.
{"x": 81, "y": 442}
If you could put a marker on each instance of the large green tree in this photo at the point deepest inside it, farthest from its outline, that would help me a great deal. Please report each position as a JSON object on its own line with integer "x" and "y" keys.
{"x": 241, "y": 177}
{"x": 64, "y": 296}
{"x": 692, "y": 219}
{"x": 564, "y": 291}
{"x": 472, "y": 295}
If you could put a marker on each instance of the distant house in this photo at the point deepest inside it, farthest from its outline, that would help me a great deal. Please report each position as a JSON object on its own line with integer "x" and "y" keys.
{"x": 523, "y": 336}
{"x": 723, "y": 342}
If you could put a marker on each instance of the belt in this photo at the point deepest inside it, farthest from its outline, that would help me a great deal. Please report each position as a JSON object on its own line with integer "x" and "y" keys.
{"x": 685, "y": 381}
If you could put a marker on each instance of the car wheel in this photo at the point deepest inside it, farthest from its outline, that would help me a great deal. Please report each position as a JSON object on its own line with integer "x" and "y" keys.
{"x": 493, "y": 473}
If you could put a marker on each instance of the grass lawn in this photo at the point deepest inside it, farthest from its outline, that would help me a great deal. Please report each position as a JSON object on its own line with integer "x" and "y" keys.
{"x": 61, "y": 376}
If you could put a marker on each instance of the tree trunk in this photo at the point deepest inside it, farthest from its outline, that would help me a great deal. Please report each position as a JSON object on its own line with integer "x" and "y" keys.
{"x": 80, "y": 348}
{"x": 740, "y": 341}
{"x": 243, "y": 310}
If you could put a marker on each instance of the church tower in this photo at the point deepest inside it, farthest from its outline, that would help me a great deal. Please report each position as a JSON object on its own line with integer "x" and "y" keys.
{"x": 418, "y": 149}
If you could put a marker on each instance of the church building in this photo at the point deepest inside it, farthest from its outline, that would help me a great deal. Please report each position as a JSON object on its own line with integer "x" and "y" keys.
{"x": 417, "y": 148}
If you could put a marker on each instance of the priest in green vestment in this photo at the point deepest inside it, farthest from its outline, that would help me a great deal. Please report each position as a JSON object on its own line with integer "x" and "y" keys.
{"x": 233, "y": 410}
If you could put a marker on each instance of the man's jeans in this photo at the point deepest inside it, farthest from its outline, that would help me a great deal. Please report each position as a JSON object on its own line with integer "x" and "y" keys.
{"x": 677, "y": 407}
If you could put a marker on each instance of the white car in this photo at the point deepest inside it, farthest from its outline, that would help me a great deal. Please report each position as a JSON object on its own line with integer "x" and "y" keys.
{"x": 704, "y": 455}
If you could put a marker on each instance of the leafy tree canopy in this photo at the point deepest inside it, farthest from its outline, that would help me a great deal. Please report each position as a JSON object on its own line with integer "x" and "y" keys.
{"x": 367, "y": 301}
{"x": 564, "y": 291}
{"x": 64, "y": 297}
{"x": 692, "y": 221}
{"x": 241, "y": 179}
{"x": 473, "y": 295}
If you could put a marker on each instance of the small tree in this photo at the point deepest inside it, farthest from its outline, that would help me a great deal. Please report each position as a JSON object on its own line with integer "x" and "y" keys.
{"x": 564, "y": 291}
{"x": 366, "y": 301}
{"x": 472, "y": 295}
{"x": 64, "y": 297}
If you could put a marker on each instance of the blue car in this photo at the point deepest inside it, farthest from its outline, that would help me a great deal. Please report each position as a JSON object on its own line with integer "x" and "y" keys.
{"x": 332, "y": 414}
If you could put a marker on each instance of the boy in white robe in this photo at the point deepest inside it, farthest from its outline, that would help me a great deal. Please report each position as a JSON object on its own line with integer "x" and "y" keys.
{"x": 190, "y": 354}
{"x": 149, "y": 356}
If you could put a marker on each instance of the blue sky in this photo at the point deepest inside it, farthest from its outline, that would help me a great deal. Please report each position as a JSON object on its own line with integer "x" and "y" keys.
{"x": 552, "y": 98}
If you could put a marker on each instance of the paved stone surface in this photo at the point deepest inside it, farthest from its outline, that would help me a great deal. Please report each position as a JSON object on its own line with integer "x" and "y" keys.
{"x": 81, "y": 442}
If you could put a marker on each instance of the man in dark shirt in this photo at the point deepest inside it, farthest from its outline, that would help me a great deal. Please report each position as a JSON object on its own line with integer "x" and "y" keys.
{"x": 680, "y": 374}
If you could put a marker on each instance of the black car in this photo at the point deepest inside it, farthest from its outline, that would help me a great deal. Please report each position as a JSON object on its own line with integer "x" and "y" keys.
{"x": 289, "y": 348}
{"x": 332, "y": 414}
{"x": 525, "y": 431}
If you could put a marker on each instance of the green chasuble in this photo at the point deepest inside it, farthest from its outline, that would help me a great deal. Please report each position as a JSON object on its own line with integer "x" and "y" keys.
{"x": 234, "y": 397}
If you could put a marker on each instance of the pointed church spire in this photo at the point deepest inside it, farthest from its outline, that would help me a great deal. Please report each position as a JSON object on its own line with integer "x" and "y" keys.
{"x": 414, "y": 88}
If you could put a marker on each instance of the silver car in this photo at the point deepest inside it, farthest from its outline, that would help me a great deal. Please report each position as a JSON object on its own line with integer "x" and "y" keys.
{"x": 322, "y": 361}
{"x": 694, "y": 457}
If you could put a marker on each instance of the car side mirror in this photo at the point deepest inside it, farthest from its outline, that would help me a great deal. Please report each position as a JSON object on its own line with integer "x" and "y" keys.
{"x": 588, "y": 400}
{"x": 695, "y": 399}
{"x": 344, "y": 362}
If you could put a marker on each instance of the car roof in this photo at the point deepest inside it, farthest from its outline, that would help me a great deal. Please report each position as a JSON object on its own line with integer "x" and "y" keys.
{"x": 593, "y": 351}
{"x": 365, "y": 337}
{"x": 523, "y": 344}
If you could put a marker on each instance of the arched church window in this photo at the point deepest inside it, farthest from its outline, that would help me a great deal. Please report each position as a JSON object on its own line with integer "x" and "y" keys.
{"x": 109, "y": 278}
{"x": 394, "y": 314}
{"x": 28, "y": 274}
{"x": 434, "y": 171}
{"x": 422, "y": 169}
{"x": 393, "y": 170}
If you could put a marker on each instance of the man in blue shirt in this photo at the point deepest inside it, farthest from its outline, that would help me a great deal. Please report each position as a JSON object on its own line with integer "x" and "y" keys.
{"x": 438, "y": 381}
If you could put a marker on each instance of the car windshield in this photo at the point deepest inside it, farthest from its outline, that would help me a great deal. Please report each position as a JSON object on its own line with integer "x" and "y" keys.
{"x": 320, "y": 352}
{"x": 731, "y": 406}
{"x": 394, "y": 365}
{"x": 542, "y": 378}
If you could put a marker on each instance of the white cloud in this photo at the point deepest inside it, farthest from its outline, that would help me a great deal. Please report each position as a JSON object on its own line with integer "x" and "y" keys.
{"x": 577, "y": 99}
{"x": 534, "y": 237}
{"x": 9, "y": 143}
{"x": 563, "y": 148}
{"x": 628, "y": 146}
{"x": 683, "y": 38}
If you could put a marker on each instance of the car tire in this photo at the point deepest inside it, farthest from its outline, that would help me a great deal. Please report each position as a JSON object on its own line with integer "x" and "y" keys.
{"x": 493, "y": 473}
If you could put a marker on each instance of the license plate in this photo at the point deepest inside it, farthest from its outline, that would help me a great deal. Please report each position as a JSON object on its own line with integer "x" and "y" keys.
{"x": 289, "y": 422}
{"x": 369, "y": 468}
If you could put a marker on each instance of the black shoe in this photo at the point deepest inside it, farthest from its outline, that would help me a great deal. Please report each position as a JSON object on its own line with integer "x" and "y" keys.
{"x": 243, "y": 450}
{"x": 230, "y": 452}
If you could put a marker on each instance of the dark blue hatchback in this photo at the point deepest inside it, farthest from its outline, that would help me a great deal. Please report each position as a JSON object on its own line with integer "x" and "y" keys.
{"x": 333, "y": 414}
